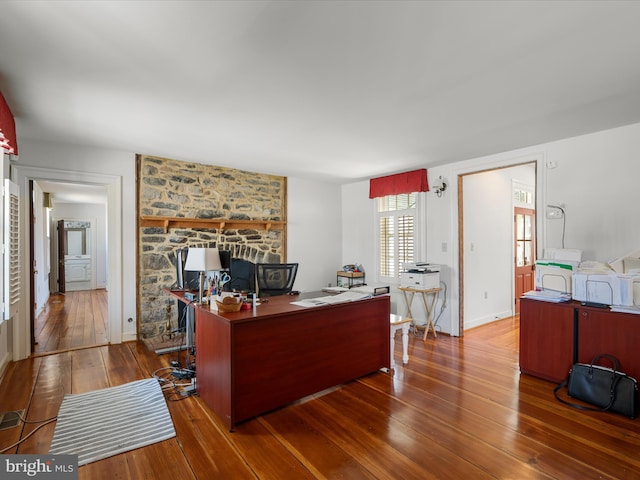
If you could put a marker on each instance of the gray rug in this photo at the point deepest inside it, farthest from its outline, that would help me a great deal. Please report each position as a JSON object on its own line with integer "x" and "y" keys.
{"x": 103, "y": 423}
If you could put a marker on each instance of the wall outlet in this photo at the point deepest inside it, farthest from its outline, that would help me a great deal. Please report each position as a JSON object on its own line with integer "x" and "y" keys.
{"x": 554, "y": 213}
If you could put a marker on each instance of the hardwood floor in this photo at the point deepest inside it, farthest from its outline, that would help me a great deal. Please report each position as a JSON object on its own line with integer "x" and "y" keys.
{"x": 72, "y": 320}
{"x": 458, "y": 409}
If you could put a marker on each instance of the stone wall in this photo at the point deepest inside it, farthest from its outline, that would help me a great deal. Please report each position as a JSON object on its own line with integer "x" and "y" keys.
{"x": 171, "y": 188}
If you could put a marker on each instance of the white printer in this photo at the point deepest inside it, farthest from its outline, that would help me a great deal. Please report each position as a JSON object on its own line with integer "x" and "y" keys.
{"x": 420, "y": 275}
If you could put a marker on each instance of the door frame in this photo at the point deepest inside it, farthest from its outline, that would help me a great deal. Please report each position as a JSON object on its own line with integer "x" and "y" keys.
{"x": 21, "y": 175}
{"x": 61, "y": 275}
{"x": 457, "y": 308}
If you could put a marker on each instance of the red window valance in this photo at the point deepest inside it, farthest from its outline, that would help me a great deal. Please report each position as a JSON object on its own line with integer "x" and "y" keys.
{"x": 7, "y": 128}
{"x": 414, "y": 181}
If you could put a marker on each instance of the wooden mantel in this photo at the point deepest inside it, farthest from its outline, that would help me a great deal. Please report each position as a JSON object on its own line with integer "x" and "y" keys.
{"x": 211, "y": 223}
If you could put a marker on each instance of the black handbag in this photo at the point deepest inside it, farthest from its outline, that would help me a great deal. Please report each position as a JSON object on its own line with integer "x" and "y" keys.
{"x": 608, "y": 389}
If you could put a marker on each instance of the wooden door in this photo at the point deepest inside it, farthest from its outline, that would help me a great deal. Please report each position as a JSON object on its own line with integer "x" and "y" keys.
{"x": 524, "y": 226}
{"x": 62, "y": 238}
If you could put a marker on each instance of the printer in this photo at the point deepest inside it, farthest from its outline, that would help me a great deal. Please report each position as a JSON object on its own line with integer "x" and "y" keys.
{"x": 420, "y": 275}
{"x": 421, "y": 267}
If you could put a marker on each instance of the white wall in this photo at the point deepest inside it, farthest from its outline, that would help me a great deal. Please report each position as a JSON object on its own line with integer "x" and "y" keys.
{"x": 314, "y": 233}
{"x": 595, "y": 177}
{"x": 358, "y": 228}
{"x": 98, "y": 215}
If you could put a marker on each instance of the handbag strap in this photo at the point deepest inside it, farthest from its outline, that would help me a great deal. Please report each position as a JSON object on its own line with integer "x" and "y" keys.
{"x": 614, "y": 361}
{"x": 612, "y": 397}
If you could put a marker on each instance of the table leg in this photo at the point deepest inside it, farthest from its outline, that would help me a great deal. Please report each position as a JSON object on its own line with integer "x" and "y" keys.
{"x": 429, "y": 308}
{"x": 392, "y": 344}
{"x": 408, "y": 302}
{"x": 405, "y": 342}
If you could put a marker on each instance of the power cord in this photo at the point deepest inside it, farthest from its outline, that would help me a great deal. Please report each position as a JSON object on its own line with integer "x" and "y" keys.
{"x": 43, "y": 422}
{"x": 443, "y": 305}
{"x": 178, "y": 383}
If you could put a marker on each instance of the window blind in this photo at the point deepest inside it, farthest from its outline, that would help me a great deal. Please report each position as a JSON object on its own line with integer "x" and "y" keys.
{"x": 12, "y": 249}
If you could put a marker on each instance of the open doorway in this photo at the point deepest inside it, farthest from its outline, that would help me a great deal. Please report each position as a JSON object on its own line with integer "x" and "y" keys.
{"x": 488, "y": 253}
{"x": 69, "y": 307}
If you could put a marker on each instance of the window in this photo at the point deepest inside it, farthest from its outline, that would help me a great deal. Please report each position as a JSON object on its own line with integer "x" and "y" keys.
{"x": 396, "y": 215}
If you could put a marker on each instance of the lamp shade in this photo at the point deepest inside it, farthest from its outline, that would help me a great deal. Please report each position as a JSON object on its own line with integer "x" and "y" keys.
{"x": 202, "y": 260}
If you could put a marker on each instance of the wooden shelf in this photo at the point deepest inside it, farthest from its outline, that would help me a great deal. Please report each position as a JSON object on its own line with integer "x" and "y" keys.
{"x": 212, "y": 223}
{"x": 342, "y": 273}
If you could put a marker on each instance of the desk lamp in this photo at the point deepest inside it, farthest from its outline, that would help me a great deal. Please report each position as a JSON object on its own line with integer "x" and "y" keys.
{"x": 202, "y": 260}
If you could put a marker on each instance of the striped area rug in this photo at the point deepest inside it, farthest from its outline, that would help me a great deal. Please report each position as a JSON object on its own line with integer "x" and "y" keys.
{"x": 103, "y": 423}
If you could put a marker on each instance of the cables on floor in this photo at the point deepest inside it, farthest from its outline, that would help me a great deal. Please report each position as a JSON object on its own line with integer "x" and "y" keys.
{"x": 23, "y": 420}
{"x": 176, "y": 383}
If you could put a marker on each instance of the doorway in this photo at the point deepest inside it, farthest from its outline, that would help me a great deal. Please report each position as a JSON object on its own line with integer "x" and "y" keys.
{"x": 22, "y": 175}
{"x": 59, "y": 321}
{"x": 524, "y": 225}
{"x": 486, "y": 251}
{"x": 73, "y": 254}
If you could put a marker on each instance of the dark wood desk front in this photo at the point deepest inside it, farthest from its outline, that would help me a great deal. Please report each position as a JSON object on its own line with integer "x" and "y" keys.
{"x": 253, "y": 361}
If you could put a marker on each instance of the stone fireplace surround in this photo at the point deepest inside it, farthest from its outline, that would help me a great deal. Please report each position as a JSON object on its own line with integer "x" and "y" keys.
{"x": 182, "y": 190}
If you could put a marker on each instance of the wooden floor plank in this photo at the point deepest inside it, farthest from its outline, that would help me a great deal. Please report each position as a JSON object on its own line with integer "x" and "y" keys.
{"x": 72, "y": 320}
{"x": 458, "y": 409}
{"x": 419, "y": 433}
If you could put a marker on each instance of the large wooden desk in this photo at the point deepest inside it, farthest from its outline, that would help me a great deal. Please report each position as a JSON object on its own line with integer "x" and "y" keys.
{"x": 253, "y": 361}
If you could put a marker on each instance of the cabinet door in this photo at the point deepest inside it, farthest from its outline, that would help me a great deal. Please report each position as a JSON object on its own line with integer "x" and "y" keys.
{"x": 546, "y": 339}
{"x": 618, "y": 334}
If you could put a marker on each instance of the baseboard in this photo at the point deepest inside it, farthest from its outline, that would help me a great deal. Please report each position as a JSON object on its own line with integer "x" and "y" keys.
{"x": 129, "y": 337}
{"x": 477, "y": 322}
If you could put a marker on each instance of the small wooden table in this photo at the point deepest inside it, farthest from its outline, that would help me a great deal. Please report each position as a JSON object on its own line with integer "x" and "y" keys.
{"x": 429, "y": 297}
{"x": 399, "y": 323}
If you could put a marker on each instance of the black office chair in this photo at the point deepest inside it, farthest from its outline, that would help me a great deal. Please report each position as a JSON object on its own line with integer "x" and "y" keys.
{"x": 275, "y": 278}
{"x": 243, "y": 276}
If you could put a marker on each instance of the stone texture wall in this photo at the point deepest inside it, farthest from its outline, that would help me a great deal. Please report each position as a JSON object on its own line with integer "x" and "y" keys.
{"x": 171, "y": 188}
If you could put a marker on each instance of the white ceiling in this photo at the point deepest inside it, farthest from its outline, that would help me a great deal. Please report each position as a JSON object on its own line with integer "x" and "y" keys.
{"x": 62, "y": 192}
{"x": 333, "y": 90}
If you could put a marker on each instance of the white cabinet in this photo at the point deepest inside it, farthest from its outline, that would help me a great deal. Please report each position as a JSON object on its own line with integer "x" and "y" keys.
{"x": 77, "y": 271}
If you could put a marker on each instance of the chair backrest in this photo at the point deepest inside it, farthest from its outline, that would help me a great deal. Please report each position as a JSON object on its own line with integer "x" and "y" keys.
{"x": 243, "y": 276}
{"x": 275, "y": 278}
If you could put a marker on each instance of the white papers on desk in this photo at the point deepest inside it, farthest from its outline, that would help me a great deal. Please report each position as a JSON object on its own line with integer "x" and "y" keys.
{"x": 370, "y": 289}
{"x": 343, "y": 297}
{"x": 335, "y": 289}
{"x": 624, "y": 309}
{"x": 548, "y": 296}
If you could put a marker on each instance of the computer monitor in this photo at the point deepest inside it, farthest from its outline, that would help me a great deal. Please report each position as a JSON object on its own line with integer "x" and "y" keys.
{"x": 181, "y": 258}
{"x": 225, "y": 259}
